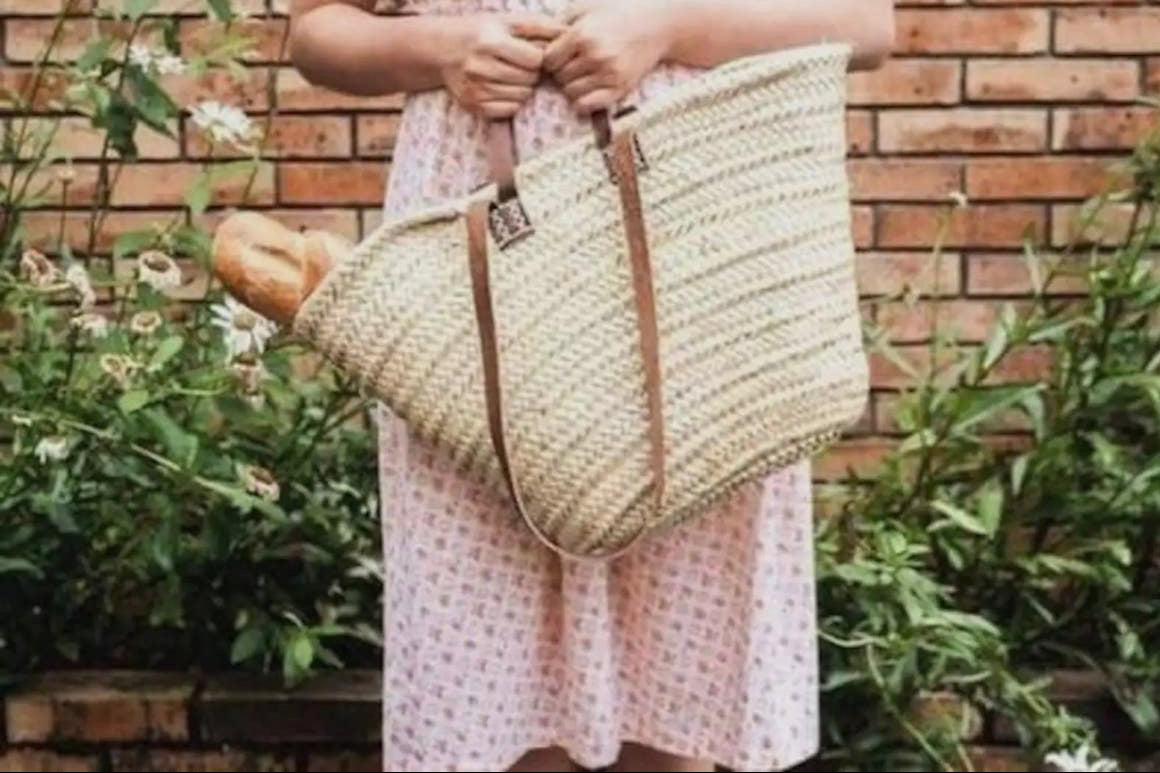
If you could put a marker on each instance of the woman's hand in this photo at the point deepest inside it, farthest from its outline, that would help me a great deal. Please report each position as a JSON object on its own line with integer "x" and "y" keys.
{"x": 607, "y": 50}
{"x": 499, "y": 61}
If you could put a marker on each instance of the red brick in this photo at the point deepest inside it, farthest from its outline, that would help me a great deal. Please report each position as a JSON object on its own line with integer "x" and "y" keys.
{"x": 1110, "y": 227}
{"x": 42, "y": 761}
{"x": 1102, "y": 128}
{"x": 888, "y": 273}
{"x": 44, "y": 7}
{"x": 859, "y": 132}
{"x": 972, "y": 30}
{"x": 1048, "y": 177}
{"x": 49, "y": 90}
{"x": 377, "y": 133}
{"x": 911, "y": 323}
{"x": 907, "y": 82}
{"x": 999, "y": 759}
{"x": 962, "y": 130}
{"x": 289, "y": 136}
{"x": 1047, "y": 80}
{"x": 915, "y": 225}
{"x": 43, "y": 227}
{"x": 1152, "y": 76}
{"x": 346, "y": 762}
{"x": 862, "y": 226}
{"x": 1009, "y": 274}
{"x": 76, "y": 138}
{"x": 198, "y": 761}
{"x": 25, "y": 37}
{"x": 293, "y": 92}
{"x": 185, "y": 7}
{"x": 87, "y": 706}
{"x": 267, "y": 37}
{"x": 1107, "y": 30}
{"x": 878, "y": 178}
{"x": 348, "y": 182}
{"x": 862, "y": 455}
{"x": 249, "y": 92}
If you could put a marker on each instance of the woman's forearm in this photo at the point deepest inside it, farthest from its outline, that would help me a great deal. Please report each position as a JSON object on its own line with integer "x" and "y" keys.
{"x": 346, "y": 48}
{"x": 706, "y": 33}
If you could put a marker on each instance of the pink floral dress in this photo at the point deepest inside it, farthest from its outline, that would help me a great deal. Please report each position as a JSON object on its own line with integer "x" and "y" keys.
{"x": 700, "y": 642}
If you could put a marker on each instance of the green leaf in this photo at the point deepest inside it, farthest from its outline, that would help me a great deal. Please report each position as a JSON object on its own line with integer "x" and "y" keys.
{"x": 133, "y": 242}
{"x": 247, "y": 644}
{"x": 19, "y": 566}
{"x": 1018, "y": 473}
{"x": 95, "y": 53}
{"x": 153, "y": 105}
{"x": 961, "y": 518}
{"x": 302, "y": 649}
{"x": 200, "y": 191}
{"x": 221, "y": 9}
{"x": 133, "y": 400}
{"x": 179, "y": 445}
{"x": 135, "y": 9}
{"x": 996, "y": 346}
{"x": 166, "y": 351}
{"x": 991, "y": 506}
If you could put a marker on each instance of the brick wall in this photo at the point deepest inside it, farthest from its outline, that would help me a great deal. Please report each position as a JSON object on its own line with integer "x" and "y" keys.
{"x": 1018, "y": 103}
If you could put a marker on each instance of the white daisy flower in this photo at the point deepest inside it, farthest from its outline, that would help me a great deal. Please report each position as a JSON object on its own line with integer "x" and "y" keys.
{"x": 51, "y": 449}
{"x": 38, "y": 270}
{"x": 250, "y": 372}
{"x": 244, "y": 330}
{"x": 95, "y": 325}
{"x": 224, "y": 123}
{"x": 158, "y": 270}
{"x": 261, "y": 482}
{"x": 78, "y": 278}
{"x": 145, "y": 322}
{"x": 1082, "y": 759}
{"x": 141, "y": 56}
{"x": 118, "y": 367}
{"x": 169, "y": 64}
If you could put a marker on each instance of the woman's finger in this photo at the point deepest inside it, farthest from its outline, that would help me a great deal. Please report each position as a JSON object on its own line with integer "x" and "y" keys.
{"x": 582, "y": 86}
{"x": 499, "y": 109}
{"x": 577, "y": 67}
{"x": 504, "y": 92}
{"x": 561, "y": 51}
{"x": 534, "y": 27}
{"x": 499, "y": 71}
{"x": 601, "y": 99}
{"x": 519, "y": 53}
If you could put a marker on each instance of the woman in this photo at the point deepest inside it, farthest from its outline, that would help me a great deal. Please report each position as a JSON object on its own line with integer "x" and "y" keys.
{"x": 698, "y": 647}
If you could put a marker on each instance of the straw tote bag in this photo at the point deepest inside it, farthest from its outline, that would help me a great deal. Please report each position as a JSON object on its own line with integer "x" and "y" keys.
{"x": 624, "y": 329}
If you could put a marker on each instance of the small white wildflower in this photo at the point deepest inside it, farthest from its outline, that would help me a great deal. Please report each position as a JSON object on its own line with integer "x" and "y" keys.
{"x": 95, "y": 325}
{"x": 244, "y": 330}
{"x": 141, "y": 56}
{"x": 1082, "y": 759}
{"x": 78, "y": 278}
{"x": 250, "y": 373}
{"x": 169, "y": 64}
{"x": 118, "y": 367}
{"x": 145, "y": 322}
{"x": 223, "y": 123}
{"x": 20, "y": 420}
{"x": 65, "y": 172}
{"x": 51, "y": 449}
{"x": 163, "y": 63}
{"x": 38, "y": 270}
{"x": 158, "y": 270}
{"x": 958, "y": 198}
{"x": 260, "y": 481}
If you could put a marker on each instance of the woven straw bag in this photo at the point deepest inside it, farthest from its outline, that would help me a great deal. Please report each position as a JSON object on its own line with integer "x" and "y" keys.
{"x": 626, "y": 328}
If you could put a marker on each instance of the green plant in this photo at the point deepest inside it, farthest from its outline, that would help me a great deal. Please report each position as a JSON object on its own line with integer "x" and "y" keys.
{"x": 179, "y": 485}
{"x": 1013, "y": 528}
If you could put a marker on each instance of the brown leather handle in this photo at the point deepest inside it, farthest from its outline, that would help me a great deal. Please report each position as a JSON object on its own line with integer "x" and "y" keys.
{"x": 501, "y": 150}
{"x": 636, "y": 237}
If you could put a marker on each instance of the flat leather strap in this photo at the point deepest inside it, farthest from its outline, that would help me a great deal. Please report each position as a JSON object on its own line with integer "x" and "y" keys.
{"x": 645, "y": 301}
{"x": 501, "y": 150}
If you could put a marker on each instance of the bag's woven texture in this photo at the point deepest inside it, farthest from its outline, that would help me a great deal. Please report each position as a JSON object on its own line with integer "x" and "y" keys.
{"x": 746, "y": 205}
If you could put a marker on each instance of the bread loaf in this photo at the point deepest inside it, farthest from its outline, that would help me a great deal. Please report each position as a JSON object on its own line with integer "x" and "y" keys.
{"x": 269, "y": 267}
